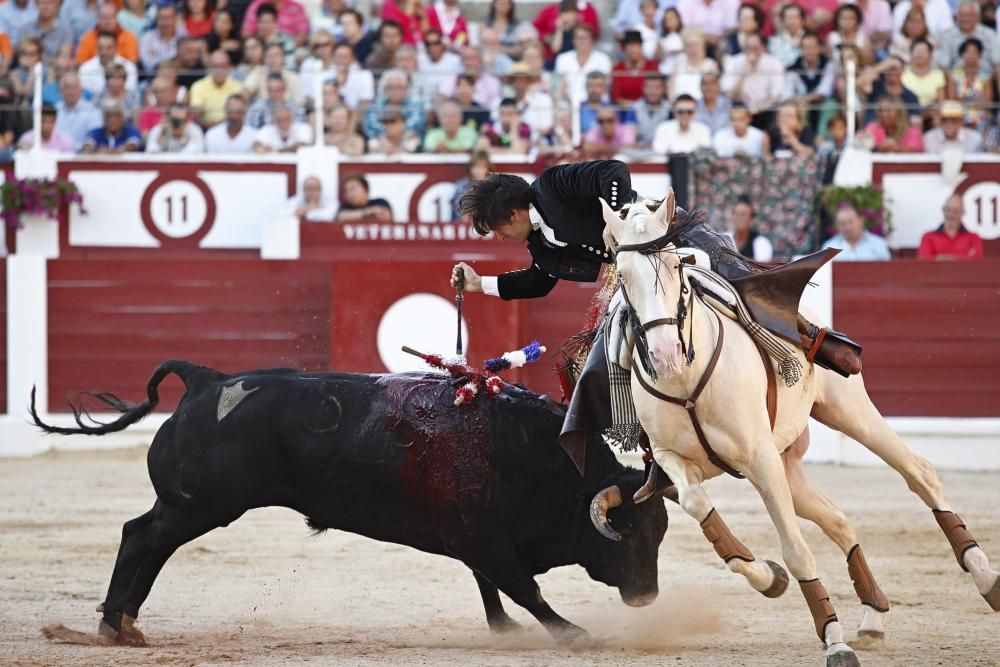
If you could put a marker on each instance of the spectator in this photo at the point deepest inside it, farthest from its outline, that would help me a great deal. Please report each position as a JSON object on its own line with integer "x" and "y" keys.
{"x": 446, "y": 17}
{"x": 274, "y": 65}
{"x": 855, "y": 242}
{"x": 921, "y": 77}
{"x": 936, "y": 14}
{"x": 319, "y": 65}
{"x": 629, "y": 14}
{"x": 749, "y": 21}
{"x": 713, "y": 18}
{"x": 190, "y": 67}
{"x": 269, "y": 33}
{"x": 971, "y": 86}
{"x": 831, "y": 150}
{"x": 160, "y": 43}
{"x": 652, "y": 109}
{"x": 559, "y": 142}
{"x": 713, "y": 107}
{"x": 209, "y": 95}
{"x": 16, "y": 16}
{"x": 968, "y": 27}
{"x": 92, "y": 72}
{"x": 847, "y": 32}
{"x": 913, "y": 30}
{"x": 356, "y": 36}
{"x": 325, "y": 16}
{"x": 223, "y": 37}
{"x": 56, "y": 36}
{"x": 487, "y": 87}
{"x": 502, "y": 17}
{"x": 819, "y": 16}
{"x": 788, "y": 136}
{"x": 436, "y": 63}
{"x": 534, "y": 106}
{"x": 755, "y": 78}
{"x": 609, "y": 136}
{"x": 6, "y": 54}
{"x": 29, "y": 53}
{"x": 115, "y": 90}
{"x": 689, "y": 67}
{"x": 53, "y": 75}
{"x": 176, "y": 134}
{"x": 648, "y": 26}
{"x": 75, "y": 116}
{"x": 253, "y": 57}
{"x": 742, "y": 228}
{"x": 52, "y": 139}
{"x": 232, "y": 135}
{"x": 261, "y": 112}
{"x": 509, "y": 134}
{"x": 478, "y": 168}
{"x": 473, "y": 113}
{"x": 357, "y": 205}
{"x": 888, "y": 84}
{"x": 495, "y": 60}
{"x": 452, "y": 136}
{"x": 810, "y": 81}
{"x": 198, "y": 17}
{"x": 8, "y": 122}
{"x": 573, "y": 66}
{"x": 891, "y": 131}
{"x": 126, "y": 43}
{"x": 311, "y": 205}
{"x": 284, "y": 134}
{"x": 410, "y": 15}
{"x": 341, "y": 133}
{"x": 356, "y": 85}
{"x": 877, "y": 23}
{"x": 394, "y": 140}
{"x": 556, "y": 22}
{"x": 290, "y": 15}
{"x": 597, "y": 97}
{"x": 950, "y": 135}
{"x": 421, "y": 87}
{"x": 740, "y": 138}
{"x": 671, "y": 44}
{"x": 394, "y": 92}
{"x": 533, "y": 58}
{"x": 786, "y": 46}
{"x": 684, "y": 134}
{"x": 133, "y": 17}
{"x": 79, "y": 16}
{"x": 164, "y": 94}
{"x": 115, "y": 135}
{"x": 628, "y": 74}
{"x": 383, "y": 53}
{"x": 951, "y": 241}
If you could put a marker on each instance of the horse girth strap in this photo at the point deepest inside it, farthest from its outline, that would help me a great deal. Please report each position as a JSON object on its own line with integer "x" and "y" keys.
{"x": 771, "y": 397}
{"x": 690, "y": 404}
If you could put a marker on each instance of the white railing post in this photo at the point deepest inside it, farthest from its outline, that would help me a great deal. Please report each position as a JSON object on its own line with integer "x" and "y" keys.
{"x": 318, "y": 111}
{"x": 36, "y": 121}
{"x": 851, "y": 98}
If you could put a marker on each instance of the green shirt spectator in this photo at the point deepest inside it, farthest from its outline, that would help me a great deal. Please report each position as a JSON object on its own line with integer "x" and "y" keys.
{"x": 451, "y": 136}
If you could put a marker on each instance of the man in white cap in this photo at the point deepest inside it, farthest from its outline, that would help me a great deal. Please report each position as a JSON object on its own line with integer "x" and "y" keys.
{"x": 951, "y": 135}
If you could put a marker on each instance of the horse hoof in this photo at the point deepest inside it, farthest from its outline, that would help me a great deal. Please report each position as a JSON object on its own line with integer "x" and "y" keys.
{"x": 842, "y": 658}
{"x": 780, "y": 583}
{"x": 130, "y": 635}
{"x": 572, "y": 634}
{"x": 869, "y": 640}
{"x": 106, "y": 631}
{"x": 992, "y": 597}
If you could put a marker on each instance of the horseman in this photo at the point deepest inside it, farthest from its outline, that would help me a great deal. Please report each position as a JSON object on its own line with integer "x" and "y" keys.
{"x": 559, "y": 219}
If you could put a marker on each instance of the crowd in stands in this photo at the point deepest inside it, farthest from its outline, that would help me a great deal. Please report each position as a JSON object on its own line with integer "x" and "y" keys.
{"x": 761, "y": 77}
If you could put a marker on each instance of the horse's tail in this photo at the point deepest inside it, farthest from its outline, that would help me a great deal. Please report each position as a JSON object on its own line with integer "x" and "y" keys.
{"x": 130, "y": 412}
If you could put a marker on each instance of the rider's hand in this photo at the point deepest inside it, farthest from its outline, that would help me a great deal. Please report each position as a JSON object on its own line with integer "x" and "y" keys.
{"x": 609, "y": 239}
{"x": 473, "y": 283}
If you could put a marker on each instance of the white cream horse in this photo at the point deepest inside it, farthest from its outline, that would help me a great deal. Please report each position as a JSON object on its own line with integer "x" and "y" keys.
{"x": 732, "y": 412}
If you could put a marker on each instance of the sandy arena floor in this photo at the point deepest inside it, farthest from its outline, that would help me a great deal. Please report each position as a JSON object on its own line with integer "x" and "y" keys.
{"x": 264, "y": 592}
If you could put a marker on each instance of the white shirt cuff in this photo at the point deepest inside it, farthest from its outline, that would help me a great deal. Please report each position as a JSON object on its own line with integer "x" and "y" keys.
{"x": 489, "y": 284}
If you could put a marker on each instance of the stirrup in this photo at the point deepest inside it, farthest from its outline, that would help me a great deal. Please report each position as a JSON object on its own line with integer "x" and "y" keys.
{"x": 828, "y": 338}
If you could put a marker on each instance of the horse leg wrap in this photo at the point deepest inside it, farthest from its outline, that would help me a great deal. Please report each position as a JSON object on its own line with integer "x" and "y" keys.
{"x": 819, "y": 606}
{"x": 958, "y": 535}
{"x": 864, "y": 583}
{"x": 723, "y": 541}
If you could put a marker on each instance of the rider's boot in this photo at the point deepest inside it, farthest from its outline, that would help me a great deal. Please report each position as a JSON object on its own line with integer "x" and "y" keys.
{"x": 828, "y": 348}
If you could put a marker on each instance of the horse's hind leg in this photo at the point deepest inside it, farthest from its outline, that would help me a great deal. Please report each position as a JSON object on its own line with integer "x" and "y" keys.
{"x": 844, "y": 405}
{"x": 147, "y": 542}
{"x": 813, "y": 505}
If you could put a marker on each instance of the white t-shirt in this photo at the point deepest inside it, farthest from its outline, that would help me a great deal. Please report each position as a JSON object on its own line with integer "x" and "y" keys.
{"x": 937, "y": 14}
{"x": 568, "y": 68}
{"x": 299, "y": 133}
{"x": 727, "y": 144}
{"x": 358, "y": 87}
{"x": 195, "y": 141}
{"x": 91, "y": 75}
{"x": 669, "y": 138}
{"x": 217, "y": 140}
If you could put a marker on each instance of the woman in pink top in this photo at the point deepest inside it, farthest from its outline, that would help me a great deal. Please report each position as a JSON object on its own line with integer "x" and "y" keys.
{"x": 891, "y": 132}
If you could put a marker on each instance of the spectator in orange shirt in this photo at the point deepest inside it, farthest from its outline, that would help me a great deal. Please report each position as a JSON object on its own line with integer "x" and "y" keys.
{"x": 951, "y": 241}
{"x": 107, "y": 21}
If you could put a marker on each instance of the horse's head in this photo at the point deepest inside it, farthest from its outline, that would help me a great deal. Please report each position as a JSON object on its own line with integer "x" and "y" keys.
{"x": 647, "y": 265}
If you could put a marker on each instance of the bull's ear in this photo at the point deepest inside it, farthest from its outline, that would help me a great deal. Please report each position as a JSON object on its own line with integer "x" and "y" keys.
{"x": 665, "y": 213}
{"x": 611, "y": 219}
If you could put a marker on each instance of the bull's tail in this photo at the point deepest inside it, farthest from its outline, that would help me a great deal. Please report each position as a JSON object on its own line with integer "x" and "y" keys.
{"x": 130, "y": 412}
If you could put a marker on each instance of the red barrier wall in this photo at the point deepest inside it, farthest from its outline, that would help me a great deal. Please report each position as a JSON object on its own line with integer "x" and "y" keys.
{"x": 3, "y": 336}
{"x": 930, "y": 333}
{"x": 112, "y": 321}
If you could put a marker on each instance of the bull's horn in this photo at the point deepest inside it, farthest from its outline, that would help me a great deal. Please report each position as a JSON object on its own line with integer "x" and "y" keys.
{"x": 605, "y": 500}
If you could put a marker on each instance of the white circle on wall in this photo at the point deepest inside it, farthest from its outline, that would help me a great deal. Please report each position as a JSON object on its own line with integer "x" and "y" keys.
{"x": 435, "y": 203}
{"x": 178, "y": 209}
{"x": 423, "y": 321}
{"x": 982, "y": 209}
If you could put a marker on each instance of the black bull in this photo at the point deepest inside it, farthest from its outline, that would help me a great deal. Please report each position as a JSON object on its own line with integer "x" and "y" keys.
{"x": 391, "y": 458}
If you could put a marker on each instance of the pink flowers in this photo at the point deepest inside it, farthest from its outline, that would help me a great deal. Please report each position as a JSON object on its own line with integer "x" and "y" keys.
{"x": 36, "y": 196}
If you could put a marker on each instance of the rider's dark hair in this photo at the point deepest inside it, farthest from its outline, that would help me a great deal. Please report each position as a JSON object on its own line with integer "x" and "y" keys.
{"x": 489, "y": 203}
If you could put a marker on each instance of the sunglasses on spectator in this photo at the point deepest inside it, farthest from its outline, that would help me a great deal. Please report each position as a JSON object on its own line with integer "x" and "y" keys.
{"x": 684, "y": 112}
{"x": 26, "y": 52}
{"x": 436, "y": 43}
{"x": 317, "y": 45}
{"x": 606, "y": 121}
